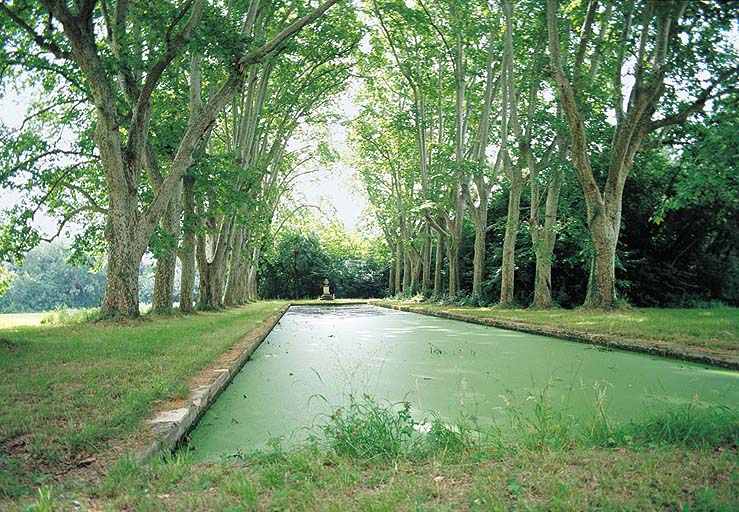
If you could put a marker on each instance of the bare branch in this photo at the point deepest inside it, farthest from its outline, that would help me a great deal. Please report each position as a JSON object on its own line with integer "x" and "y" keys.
{"x": 47, "y": 109}
{"x": 38, "y": 39}
{"x": 94, "y": 205}
{"x": 40, "y": 156}
{"x": 67, "y": 217}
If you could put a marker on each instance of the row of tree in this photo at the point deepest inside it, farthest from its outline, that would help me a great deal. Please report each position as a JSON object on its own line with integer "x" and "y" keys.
{"x": 166, "y": 127}
{"x": 462, "y": 102}
{"x": 301, "y": 258}
{"x": 171, "y": 128}
{"x": 293, "y": 267}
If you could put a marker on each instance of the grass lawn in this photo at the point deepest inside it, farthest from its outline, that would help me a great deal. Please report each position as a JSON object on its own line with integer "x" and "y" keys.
{"x": 73, "y": 398}
{"x": 710, "y": 329}
{"x": 662, "y": 478}
{"x": 67, "y": 393}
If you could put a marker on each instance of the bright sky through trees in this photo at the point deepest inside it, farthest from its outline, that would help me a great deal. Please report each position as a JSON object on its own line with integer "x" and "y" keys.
{"x": 332, "y": 188}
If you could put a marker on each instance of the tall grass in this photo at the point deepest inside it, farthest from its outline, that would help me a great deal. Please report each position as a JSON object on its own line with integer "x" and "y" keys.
{"x": 369, "y": 429}
{"x": 69, "y": 316}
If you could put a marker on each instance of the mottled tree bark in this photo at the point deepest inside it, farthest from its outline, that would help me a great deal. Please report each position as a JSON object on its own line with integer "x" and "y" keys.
{"x": 543, "y": 237}
{"x": 426, "y": 263}
{"x": 399, "y": 255}
{"x": 128, "y": 230}
{"x": 508, "y": 270}
{"x": 236, "y": 281}
{"x": 164, "y": 273}
{"x": 187, "y": 251}
{"x": 633, "y": 123}
{"x": 438, "y": 264}
{"x": 212, "y": 255}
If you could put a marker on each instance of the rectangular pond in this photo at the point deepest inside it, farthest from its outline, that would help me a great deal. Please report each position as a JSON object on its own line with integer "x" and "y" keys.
{"x": 316, "y": 356}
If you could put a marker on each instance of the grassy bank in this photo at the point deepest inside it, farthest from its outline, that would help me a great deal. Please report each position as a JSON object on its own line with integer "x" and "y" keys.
{"x": 74, "y": 398}
{"x": 651, "y": 479}
{"x": 370, "y": 458}
{"x": 707, "y": 329}
{"x": 69, "y": 393}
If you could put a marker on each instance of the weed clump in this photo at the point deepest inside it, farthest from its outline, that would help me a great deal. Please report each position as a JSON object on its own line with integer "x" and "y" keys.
{"x": 366, "y": 429}
{"x": 687, "y": 425}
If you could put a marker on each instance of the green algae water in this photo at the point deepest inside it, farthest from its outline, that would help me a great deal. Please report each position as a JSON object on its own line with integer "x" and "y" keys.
{"x": 316, "y": 356}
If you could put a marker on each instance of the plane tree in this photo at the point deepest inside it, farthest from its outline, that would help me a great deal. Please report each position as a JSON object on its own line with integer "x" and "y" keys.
{"x": 649, "y": 66}
{"x": 120, "y": 51}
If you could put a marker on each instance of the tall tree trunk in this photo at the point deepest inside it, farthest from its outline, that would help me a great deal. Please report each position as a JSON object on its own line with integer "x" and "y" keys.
{"x": 391, "y": 281}
{"x": 235, "y": 278}
{"x": 452, "y": 254}
{"x": 633, "y": 124}
{"x": 407, "y": 271}
{"x": 212, "y": 267}
{"x": 479, "y": 219}
{"x": 167, "y": 261}
{"x": 438, "y": 263}
{"x": 508, "y": 268}
{"x": 122, "y": 284}
{"x": 391, "y": 272}
{"x": 426, "y": 277}
{"x": 187, "y": 252}
{"x": 398, "y": 266}
{"x": 129, "y": 230}
{"x": 602, "y": 280}
{"x": 253, "y": 283}
{"x": 415, "y": 273}
{"x": 543, "y": 239}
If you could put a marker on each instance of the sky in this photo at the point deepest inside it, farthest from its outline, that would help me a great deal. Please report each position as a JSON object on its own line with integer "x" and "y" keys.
{"x": 332, "y": 188}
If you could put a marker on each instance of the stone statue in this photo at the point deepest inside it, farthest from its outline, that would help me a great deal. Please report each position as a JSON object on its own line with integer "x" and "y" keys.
{"x": 326, "y": 291}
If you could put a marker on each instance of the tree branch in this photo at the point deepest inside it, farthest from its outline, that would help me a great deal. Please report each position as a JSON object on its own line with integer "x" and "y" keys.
{"x": 257, "y": 55}
{"x": 697, "y": 106}
{"x": 38, "y": 39}
{"x": 94, "y": 205}
{"x": 585, "y": 33}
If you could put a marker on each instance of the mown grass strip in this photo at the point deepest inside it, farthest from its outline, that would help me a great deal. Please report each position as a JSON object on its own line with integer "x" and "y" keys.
{"x": 709, "y": 329}
{"x": 66, "y": 392}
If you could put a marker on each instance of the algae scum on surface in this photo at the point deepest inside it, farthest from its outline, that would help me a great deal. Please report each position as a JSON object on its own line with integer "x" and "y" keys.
{"x": 315, "y": 357}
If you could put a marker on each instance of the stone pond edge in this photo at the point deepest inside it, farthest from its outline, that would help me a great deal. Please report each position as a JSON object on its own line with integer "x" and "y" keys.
{"x": 602, "y": 340}
{"x": 170, "y": 427}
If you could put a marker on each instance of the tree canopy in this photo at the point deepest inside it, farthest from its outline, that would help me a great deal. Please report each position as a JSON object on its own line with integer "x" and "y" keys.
{"x": 513, "y": 151}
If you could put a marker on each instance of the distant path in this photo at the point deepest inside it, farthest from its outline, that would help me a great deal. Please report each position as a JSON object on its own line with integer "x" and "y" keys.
{"x": 9, "y": 320}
